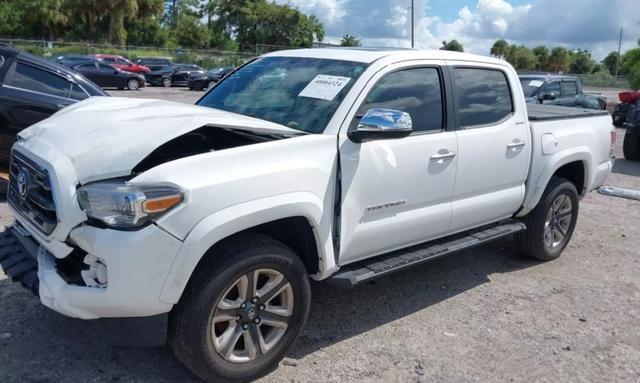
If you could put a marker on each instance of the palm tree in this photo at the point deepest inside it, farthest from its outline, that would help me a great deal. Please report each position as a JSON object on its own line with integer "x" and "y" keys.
{"x": 499, "y": 48}
{"x": 50, "y": 14}
{"x": 452, "y": 45}
{"x": 350, "y": 41}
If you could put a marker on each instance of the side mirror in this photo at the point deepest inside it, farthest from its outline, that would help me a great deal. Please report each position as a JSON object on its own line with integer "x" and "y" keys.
{"x": 378, "y": 124}
{"x": 548, "y": 96}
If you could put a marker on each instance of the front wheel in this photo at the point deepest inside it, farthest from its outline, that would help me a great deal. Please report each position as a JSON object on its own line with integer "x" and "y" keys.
{"x": 166, "y": 82}
{"x": 133, "y": 84}
{"x": 550, "y": 225}
{"x": 243, "y": 309}
{"x": 631, "y": 146}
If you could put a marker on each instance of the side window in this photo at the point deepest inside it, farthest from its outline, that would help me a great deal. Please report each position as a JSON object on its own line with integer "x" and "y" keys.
{"x": 416, "y": 91}
{"x": 569, "y": 88}
{"x": 1, "y": 61}
{"x": 483, "y": 96}
{"x": 108, "y": 60}
{"x": 553, "y": 87}
{"x": 122, "y": 61}
{"x": 105, "y": 68}
{"x": 89, "y": 66}
{"x": 37, "y": 80}
{"x": 77, "y": 93}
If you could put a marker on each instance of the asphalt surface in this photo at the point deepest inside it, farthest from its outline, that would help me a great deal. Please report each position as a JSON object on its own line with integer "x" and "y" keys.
{"x": 487, "y": 314}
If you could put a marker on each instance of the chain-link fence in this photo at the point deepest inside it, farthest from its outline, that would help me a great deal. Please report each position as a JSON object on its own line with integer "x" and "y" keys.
{"x": 205, "y": 58}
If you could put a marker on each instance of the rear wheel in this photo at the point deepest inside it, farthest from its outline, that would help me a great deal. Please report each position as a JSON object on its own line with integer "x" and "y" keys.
{"x": 550, "y": 225}
{"x": 631, "y": 146}
{"x": 166, "y": 82}
{"x": 243, "y": 309}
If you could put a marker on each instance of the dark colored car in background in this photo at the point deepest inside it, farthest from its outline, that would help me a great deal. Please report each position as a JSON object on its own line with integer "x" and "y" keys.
{"x": 122, "y": 63}
{"x": 558, "y": 90}
{"x": 154, "y": 63}
{"x": 206, "y": 80}
{"x": 71, "y": 60}
{"x": 173, "y": 75}
{"x": 109, "y": 77}
{"x": 32, "y": 89}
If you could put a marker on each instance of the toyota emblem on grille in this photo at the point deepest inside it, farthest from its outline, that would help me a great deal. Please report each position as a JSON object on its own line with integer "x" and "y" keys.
{"x": 23, "y": 182}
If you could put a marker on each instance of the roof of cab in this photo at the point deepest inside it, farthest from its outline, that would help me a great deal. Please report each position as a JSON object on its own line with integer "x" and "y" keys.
{"x": 546, "y": 76}
{"x": 369, "y": 55}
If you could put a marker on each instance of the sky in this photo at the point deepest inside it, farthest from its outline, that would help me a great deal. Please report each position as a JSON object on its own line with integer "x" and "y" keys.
{"x": 575, "y": 24}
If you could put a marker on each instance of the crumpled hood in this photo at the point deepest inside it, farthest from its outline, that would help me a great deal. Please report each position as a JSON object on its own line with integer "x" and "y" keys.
{"x": 107, "y": 137}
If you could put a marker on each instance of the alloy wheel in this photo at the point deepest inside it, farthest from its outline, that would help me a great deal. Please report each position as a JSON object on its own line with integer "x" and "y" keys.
{"x": 558, "y": 221}
{"x": 252, "y": 315}
{"x": 133, "y": 84}
{"x": 166, "y": 82}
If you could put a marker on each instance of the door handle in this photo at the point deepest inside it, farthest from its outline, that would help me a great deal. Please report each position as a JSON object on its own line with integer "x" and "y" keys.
{"x": 516, "y": 144}
{"x": 443, "y": 154}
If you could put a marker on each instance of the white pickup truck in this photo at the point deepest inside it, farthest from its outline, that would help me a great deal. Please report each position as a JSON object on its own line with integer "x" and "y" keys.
{"x": 206, "y": 222}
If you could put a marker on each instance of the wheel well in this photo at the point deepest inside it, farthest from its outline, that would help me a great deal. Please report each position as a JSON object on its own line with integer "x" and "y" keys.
{"x": 295, "y": 232}
{"x": 574, "y": 172}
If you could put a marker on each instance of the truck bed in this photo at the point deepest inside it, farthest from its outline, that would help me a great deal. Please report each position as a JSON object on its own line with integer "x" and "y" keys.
{"x": 542, "y": 112}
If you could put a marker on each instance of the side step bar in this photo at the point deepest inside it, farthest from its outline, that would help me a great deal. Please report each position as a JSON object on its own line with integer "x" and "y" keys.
{"x": 376, "y": 267}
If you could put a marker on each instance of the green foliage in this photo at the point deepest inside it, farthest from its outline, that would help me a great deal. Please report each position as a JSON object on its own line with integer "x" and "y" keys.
{"x": 499, "y": 48}
{"x": 581, "y": 62}
{"x": 610, "y": 62}
{"x": 542, "y": 56}
{"x": 350, "y": 41}
{"x": 452, "y": 45}
{"x": 521, "y": 57}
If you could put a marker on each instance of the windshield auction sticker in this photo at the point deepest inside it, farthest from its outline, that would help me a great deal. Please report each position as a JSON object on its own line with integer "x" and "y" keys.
{"x": 536, "y": 83}
{"x": 324, "y": 87}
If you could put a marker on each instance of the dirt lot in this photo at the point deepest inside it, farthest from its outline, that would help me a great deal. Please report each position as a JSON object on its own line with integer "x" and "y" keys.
{"x": 481, "y": 315}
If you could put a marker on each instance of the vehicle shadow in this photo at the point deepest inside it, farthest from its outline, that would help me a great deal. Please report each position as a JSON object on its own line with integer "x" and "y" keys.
{"x": 629, "y": 168}
{"x": 47, "y": 346}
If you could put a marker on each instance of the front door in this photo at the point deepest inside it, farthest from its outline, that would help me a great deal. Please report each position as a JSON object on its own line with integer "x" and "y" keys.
{"x": 397, "y": 192}
{"x": 494, "y": 146}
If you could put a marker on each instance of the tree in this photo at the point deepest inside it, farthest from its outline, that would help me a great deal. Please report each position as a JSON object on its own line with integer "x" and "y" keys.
{"x": 581, "y": 62}
{"x": 520, "y": 57}
{"x": 542, "y": 56}
{"x": 48, "y": 16}
{"x": 499, "y": 48}
{"x": 452, "y": 45}
{"x": 610, "y": 62}
{"x": 558, "y": 60}
{"x": 350, "y": 41}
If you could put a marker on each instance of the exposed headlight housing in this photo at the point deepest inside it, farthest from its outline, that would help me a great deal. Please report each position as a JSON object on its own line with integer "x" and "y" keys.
{"x": 120, "y": 205}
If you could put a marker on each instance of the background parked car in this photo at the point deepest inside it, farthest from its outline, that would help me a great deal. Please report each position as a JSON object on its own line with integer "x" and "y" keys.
{"x": 122, "y": 64}
{"x": 154, "y": 63}
{"x": 31, "y": 90}
{"x": 627, "y": 101}
{"x": 206, "y": 80}
{"x": 558, "y": 90}
{"x": 173, "y": 75}
{"x": 71, "y": 60}
{"x": 109, "y": 77}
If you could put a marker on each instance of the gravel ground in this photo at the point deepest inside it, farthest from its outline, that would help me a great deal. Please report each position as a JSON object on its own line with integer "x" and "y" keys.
{"x": 482, "y": 315}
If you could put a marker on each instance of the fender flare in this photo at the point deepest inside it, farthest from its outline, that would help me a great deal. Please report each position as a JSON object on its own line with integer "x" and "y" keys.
{"x": 535, "y": 188}
{"x": 237, "y": 218}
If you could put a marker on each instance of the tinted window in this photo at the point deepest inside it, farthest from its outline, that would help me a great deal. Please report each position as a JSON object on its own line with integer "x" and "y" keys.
{"x": 77, "y": 93}
{"x": 108, "y": 59}
{"x": 553, "y": 87}
{"x": 122, "y": 61}
{"x": 88, "y": 66}
{"x": 105, "y": 68}
{"x": 416, "y": 91}
{"x": 1, "y": 61}
{"x": 569, "y": 88}
{"x": 30, "y": 78}
{"x": 483, "y": 96}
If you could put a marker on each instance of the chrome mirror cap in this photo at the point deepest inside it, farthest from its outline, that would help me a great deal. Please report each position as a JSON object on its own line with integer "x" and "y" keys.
{"x": 379, "y": 123}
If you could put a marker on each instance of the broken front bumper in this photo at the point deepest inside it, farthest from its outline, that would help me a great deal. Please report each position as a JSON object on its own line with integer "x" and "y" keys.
{"x": 137, "y": 264}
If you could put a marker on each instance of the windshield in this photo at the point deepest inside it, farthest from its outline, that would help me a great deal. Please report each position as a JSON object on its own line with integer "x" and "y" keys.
{"x": 298, "y": 92}
{"x": 531, "y": 86}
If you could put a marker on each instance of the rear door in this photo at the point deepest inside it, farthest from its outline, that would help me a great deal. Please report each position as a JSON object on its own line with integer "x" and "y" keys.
{"x": 397, "y": 192}
{"x": 109, "y": 76}
{"x": 494, "y": 145}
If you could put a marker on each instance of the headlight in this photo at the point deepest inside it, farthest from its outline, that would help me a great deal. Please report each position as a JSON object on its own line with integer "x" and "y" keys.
{"x": 123, "y": 206}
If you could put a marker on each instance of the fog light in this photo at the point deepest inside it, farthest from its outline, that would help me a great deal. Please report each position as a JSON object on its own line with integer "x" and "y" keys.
{"x": 96, "y": 275}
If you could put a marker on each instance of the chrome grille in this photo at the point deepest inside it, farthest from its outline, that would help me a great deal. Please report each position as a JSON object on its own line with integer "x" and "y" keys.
{"x": 30, "y": 193}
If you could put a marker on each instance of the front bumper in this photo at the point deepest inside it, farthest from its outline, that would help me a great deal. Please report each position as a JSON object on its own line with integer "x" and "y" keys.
{"x": 137, "y": 264}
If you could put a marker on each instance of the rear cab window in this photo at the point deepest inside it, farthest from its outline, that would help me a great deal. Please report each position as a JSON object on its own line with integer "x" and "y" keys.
{"x": 483, "y": 96}
{"x": 569, "y": 89}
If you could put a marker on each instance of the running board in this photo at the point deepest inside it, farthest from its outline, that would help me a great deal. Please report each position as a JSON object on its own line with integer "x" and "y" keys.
{"x": 379, "y": 266}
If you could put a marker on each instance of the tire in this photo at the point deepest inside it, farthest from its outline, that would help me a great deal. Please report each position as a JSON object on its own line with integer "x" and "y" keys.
{"x": 132, "y": 84}
{"x": 550, "y": 217}
{"x": 199, "y": 342}
{"x": 167, "y": 83}
{"x": 618, "y": 119}
{"x": 631, "y": 146}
